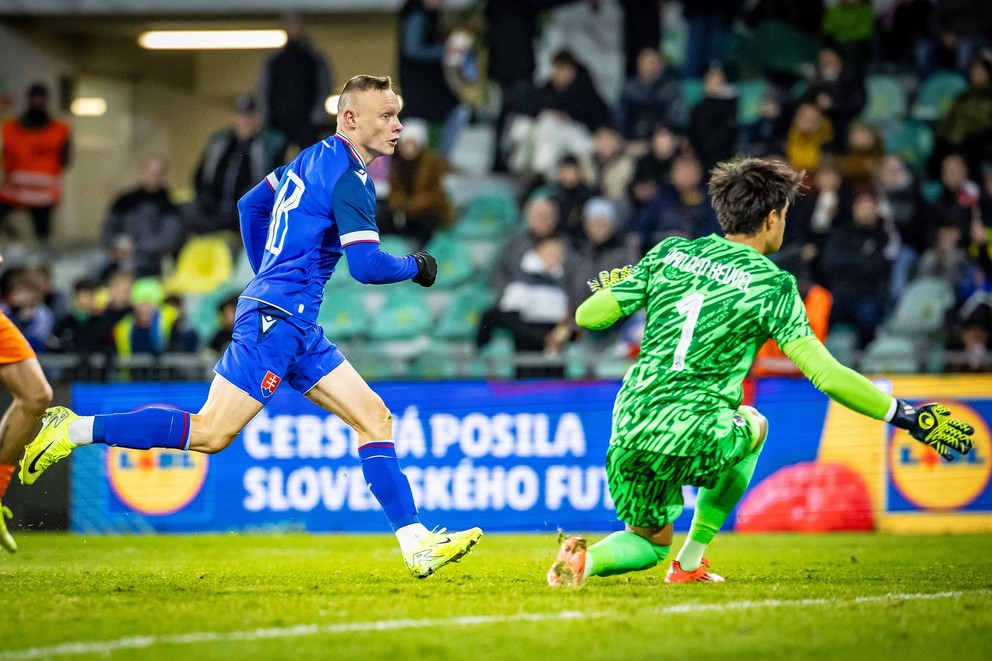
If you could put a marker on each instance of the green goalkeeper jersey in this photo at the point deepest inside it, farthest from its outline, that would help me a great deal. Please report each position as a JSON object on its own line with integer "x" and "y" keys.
{"x": 711, "y": 304}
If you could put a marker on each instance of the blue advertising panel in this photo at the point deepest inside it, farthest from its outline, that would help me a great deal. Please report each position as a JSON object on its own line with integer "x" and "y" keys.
{"x": 504, "y": 456}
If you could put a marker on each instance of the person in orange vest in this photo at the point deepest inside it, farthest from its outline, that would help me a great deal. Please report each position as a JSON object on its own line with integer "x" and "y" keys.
{"x": 35, "y": 154}
{"x": 771, "y": 360}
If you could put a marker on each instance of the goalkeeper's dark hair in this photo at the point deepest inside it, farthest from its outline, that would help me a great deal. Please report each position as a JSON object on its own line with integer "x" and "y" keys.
{"x": 745, "y": 190}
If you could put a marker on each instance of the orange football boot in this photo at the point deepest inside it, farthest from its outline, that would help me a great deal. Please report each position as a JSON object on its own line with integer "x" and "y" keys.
{"x": 569, "y": 568}
{"x": 700, "y": 574}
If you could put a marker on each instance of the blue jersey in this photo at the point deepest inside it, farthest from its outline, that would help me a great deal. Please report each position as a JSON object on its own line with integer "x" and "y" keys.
{"x": 314, "y": 207}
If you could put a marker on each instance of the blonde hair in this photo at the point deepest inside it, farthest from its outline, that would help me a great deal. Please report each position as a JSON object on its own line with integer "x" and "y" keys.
{"x": 362, "y": 83}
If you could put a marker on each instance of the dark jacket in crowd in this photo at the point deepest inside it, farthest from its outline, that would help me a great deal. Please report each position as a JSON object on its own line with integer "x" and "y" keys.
{"x": 426, "y": 93}
{"x": 296, "y": 82}
{"x": 153, "y": 224}
{"x": 229, "y": 169}
{"x": 713, "y": 130}
{"x": 644, "y": 105}
{"x": 580, "y": 101}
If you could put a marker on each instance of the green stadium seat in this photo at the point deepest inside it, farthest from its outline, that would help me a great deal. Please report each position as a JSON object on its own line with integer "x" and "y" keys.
{"x": 487, "y": 216}
{"x": 202, "y": 310}
{"x": 343, "y": 315}
{"x": 461, "y": 318}
{"x": 435, "y": 362}
{"x": 842, "y": 343}
{"x": 912, "y": 141}
{"x": 937, "y": 94}
{"x": 886, "y": 99}
{"x": 454, "y": 261}
{"x": 750, "y": 95}
{"x": 921, "y": 308}
{"x": 692, "y": 95}
{"x": 403, "y": 316}
{"x": 890, "y": 355}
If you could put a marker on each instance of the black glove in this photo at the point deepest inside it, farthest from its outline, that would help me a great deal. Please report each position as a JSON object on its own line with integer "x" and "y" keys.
{"x": 932, "y": 424}
{"x": 426, "y": 269}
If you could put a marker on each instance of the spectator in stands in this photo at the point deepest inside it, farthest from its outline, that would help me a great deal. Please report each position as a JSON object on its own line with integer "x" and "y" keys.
{"x": 612, "y": 164}
{"x": 84, "y": 330}
{"x": 849, "y": 24}
{"x": 825, "y": 211}
{"x": 945, "y": 259}
{"x": 974, "y": 342}
{"x": 226, "y": 313}
{"x": 602, "y": 247}
{"x": 567, "y": 109}
{"x": 902, "y": 27}
{"x": 534, "y": 306}
{"x": 809, "y": 133}
{"x": 838, "y": 92}
{"x": 709, "y": 21}
{"x": 653, "y": 169}
{"x": 143, "y": 225}
{"x": 511, "y": 31}
{"x": 901, "y": 203}
{"x": 962, "y": 201}
{"x": 23, "y": 303}
{"x": 857, "y": 269}
{"x": 861, "y": 163}
{"x": 540, "y": 222}
{"x": 641, "y": 29}
{"x": 35, "y": 154}
{"x": 681, "y": 208}
{"x": 184, "y": 339}
{"x": 151, "y": 328}
{"x": 967, "y": 127}
{"x": 234, "y": 160}
{"x": 417, "y": 204}
{"x": 570, "y": 192}
{"x": 964, "y": 28}
{"x": 465, "y": 71}
{"x": 118, "y": 303}
{"x": 712, "y": 129}
{"x": 767, "y": 135}
{"x": 651, "y": 97}
{"x": 51, "y": 294}
{"x": 294, "y": 85}
{"x": 426, "y": 93}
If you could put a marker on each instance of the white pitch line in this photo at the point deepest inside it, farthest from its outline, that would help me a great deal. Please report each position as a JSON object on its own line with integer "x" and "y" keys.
{"x": 195, "y": 638}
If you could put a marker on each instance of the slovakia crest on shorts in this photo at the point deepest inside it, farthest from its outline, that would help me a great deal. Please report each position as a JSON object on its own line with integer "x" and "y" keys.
{"x": 269, "y": 384}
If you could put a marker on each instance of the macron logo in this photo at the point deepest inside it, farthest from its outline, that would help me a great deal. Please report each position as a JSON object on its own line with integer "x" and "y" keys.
{"x": 363, "y": 175}
{"x": 267, "y": 323}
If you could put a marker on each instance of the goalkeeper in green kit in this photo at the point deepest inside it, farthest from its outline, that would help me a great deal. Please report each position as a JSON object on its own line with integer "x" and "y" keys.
{"x": 711, "y": 304}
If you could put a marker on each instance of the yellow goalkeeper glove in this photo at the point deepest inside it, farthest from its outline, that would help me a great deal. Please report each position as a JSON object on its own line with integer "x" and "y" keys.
{"x": 607, "y": 279}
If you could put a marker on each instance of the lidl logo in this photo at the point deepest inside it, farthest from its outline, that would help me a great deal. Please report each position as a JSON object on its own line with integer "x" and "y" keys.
{"x": 927, "y": 482}
{"x": 156, "y": 481}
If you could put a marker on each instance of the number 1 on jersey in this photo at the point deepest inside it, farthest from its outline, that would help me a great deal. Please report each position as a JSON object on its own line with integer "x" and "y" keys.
{"x": 689, "y": 306}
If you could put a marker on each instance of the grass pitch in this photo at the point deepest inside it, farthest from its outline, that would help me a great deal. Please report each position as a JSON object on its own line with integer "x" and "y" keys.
{"x": 350, "y": 597}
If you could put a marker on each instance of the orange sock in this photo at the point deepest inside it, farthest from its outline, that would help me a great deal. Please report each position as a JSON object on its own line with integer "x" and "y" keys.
{"x": 6, "y": 472}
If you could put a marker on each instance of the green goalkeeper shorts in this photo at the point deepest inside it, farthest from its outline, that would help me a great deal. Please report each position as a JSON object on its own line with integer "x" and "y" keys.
{"x": 646, "y": 486}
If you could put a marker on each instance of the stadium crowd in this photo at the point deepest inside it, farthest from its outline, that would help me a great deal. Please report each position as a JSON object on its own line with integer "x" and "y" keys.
{"x": 886, "y": 106}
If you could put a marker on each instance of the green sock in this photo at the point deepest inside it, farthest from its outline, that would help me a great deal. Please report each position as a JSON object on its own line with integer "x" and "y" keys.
{"x": 622, "y": 552}
{"x": 713, "y": 506}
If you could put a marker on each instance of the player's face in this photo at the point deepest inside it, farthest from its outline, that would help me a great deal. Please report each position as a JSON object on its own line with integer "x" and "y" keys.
{"x": 378, "y": 122}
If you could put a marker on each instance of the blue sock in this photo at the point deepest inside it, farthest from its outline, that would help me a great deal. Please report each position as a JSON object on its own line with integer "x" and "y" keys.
{"x": 144, "y": 429}
{"x": 388, "y": 483}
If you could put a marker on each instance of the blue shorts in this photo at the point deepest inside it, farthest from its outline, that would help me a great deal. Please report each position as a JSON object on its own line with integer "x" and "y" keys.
{"x": 269, "y": 346}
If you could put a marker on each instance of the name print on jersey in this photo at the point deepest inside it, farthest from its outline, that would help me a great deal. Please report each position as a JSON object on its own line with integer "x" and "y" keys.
{"x": 704, "y": 266}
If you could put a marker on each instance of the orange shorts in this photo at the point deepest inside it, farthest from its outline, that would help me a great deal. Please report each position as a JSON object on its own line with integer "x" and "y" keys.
{"x": 13, "y": 347}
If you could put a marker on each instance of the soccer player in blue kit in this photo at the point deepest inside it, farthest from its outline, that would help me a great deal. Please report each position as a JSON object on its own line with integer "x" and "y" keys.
{"x": 295, "y": 225}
